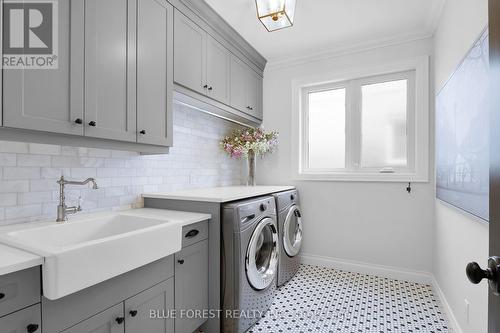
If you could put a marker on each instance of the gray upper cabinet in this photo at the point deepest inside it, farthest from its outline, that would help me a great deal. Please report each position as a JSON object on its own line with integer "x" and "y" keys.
{"x": 189, "y": 54}
{"x": 154, "y": 72}
{"x": 218, "y": 71}
{"x": 111, "y": 320}
{"x": 159, "y": 298}
{"x": 110, "y": 67}
{"x": 246, "y": 88}
{"x": 191, "y": 284}
{"x": 50, "y": 99}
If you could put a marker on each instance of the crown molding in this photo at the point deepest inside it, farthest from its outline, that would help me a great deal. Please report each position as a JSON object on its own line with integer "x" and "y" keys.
{"x": 279, "y": 63}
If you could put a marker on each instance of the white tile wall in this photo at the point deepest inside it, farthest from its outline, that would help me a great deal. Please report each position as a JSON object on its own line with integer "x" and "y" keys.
{"x": 28, "y": 171}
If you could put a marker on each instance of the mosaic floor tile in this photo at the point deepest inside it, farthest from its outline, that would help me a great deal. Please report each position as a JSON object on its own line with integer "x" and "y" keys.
{"x": 326, "y": 300}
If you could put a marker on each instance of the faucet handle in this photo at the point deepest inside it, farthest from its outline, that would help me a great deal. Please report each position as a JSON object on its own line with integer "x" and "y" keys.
{"x": 80, "y": 201}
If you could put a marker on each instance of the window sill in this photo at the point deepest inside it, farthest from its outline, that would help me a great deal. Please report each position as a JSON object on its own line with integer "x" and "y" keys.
{"x": 363, "y": 177}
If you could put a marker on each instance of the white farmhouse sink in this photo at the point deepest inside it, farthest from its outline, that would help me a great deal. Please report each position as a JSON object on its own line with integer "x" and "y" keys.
{"x": 82, "y": 253}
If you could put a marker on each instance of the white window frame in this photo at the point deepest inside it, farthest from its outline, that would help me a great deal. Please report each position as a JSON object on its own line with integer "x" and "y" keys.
{"x": 417, "y": 170}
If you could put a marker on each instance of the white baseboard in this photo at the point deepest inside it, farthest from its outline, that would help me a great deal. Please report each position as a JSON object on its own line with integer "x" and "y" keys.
{"x": 452, "y": 320}
{"x": 365, "y": 268}
{"x": 388, "y": 272}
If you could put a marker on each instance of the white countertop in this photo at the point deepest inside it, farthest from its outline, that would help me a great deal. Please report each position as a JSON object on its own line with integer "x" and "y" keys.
{"x": 219, "y": 194}
{"x": 13, "y": 260}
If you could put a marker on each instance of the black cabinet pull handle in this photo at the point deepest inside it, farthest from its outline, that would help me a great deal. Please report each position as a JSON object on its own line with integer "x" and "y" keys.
{"x": 192, "y": 233}
{"x": 78, "y": 121}
{"x": 2, "y": 295}
{"x": 133, "y": 313}
{"x": 31, "y": 328}
{"x": 143, "y": 132}
{"x": 120, "y": 320}
{"x": 92, "y": 123}
{"x": 181, "y": 261}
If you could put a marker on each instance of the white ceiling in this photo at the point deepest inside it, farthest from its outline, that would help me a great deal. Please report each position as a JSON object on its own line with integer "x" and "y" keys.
{"x": 332, "y": 25}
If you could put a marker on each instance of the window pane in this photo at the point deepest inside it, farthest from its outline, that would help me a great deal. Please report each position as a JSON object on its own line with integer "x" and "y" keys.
{"x": 384, "y": 124}
{"x": 327, "y": 129}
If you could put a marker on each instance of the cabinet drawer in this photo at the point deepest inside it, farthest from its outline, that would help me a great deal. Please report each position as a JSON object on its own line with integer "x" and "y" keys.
{"x": 19, "y": 290}
{"x": 194, "y": 233}
{"x": 27, "y": 320}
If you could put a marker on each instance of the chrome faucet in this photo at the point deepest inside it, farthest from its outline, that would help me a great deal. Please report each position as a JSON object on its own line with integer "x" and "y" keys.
{"x": 62, "y": 209}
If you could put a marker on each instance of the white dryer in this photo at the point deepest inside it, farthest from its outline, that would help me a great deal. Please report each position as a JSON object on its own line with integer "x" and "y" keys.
{"x": 290, "y": 234}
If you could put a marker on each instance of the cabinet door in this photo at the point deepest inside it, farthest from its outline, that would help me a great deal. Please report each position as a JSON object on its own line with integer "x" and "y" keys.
{"x": 254, "y": 94}
{"x": 159, "y": 299}
{"x": 154, "y": 72}
{"x": 50, "y": 99}
{"x": 108, "y": 321}
{"x": 191, "y": 284}
{"x": 110, "y": 83}
{"x": 26, "y": 320}
{"x": 189, "y": 54}
{"x": 218, "y": 70}
{"x": 238, "y": 84}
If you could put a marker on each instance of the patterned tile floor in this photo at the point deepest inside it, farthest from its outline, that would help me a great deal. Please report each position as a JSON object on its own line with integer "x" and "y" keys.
{"x": 329, "y": 301}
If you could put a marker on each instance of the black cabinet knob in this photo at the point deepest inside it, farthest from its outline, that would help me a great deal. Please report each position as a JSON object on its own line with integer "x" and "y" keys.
{"x": 210, "y": 88}
{"x": 143, "y": 132}
{"x": 205, "y": 86}
{"x": 78, "y": 121}
{"x": 292, "y": 197}
{"x": 192, "y": 233}
{"x": 92, "y": 123}
{"x": 263, "y": 207}
{"x": 120, "y": 320}
{"x": 2, "y": 295}
{"x": 181, "y": 261}
{"x": 31, "y": 328}
{"x": 133, "y": 313}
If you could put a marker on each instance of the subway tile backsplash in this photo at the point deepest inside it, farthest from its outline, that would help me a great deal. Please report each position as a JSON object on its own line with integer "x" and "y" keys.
{"x": 28, "y": 171}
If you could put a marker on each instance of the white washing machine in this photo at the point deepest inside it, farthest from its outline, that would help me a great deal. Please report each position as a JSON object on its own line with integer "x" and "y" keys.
{"x": 290, "y": 234}
{"x": 249, "y": 261}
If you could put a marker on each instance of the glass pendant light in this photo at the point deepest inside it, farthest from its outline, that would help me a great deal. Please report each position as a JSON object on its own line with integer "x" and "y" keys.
{"x": 276, "y": 14}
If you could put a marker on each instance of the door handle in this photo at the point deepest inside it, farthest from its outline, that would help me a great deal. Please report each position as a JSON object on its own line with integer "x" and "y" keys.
{"x": 476, "y": 274}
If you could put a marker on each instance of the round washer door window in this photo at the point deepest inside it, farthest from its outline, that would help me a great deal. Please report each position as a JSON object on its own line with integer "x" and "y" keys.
{"x": 292, "y": 231}
{"x": 262, "y": 255}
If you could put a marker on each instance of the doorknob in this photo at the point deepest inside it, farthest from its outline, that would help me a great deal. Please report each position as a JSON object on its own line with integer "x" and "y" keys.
{"x": 475, "y": 273}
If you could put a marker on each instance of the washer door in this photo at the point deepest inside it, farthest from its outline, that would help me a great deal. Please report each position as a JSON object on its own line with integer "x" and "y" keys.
{"x": 292, "y": 231}
{"x": 262, "y": 255}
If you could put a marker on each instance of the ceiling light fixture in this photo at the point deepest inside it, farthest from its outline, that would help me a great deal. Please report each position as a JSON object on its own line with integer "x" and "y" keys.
{"x": 276, "y": 14}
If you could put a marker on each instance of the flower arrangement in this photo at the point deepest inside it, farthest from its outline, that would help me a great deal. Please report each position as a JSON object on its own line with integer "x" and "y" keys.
{"x": 249, "y": 143}
{"x": 243, "y": 142}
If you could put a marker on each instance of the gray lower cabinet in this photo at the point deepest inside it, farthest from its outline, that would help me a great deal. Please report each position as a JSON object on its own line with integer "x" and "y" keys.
{"x": 159, "y": 299}
{"x": 155, "y": 38}
{"x": 19, "y": 290}
{"x": 50, "y": 99}
{"x": 26, "y": 320}
{"x": 191, "y": 286}
{"x": 108, "y": 321}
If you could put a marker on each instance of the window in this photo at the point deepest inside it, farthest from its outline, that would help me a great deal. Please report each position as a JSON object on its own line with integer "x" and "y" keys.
{"x": 364, "y": 128}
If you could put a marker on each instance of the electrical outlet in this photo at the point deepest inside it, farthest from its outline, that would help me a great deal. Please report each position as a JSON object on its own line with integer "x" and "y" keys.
{"x": 466, "y": 309}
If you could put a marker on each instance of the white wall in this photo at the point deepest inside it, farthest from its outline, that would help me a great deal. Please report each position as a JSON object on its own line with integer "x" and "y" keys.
{"x": 374, "y": 223}
{"x": 28, "y": 171}
{"x": 458, "y": 237}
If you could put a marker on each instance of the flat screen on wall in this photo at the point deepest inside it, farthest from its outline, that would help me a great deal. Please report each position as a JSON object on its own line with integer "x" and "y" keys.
{"x": 462, "y": 134}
